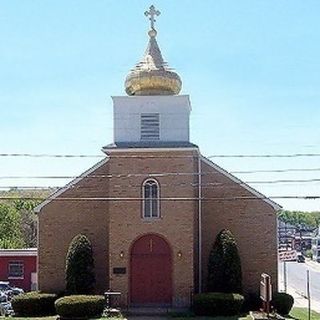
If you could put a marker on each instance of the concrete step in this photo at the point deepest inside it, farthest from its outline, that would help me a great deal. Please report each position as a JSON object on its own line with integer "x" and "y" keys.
{"x": 147, "y": 311}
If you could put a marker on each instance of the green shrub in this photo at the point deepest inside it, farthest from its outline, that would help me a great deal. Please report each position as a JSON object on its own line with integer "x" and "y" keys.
{"x": 217, "y": 304}
{"x": 309, "y": 254}
{"x": 224, "y": 267}
{"x": 34, "y": 304}
{"x": 80, "y": 306}
{"x": 80, "y": 277}
{"x": 282, "y": 302}
{"x": 252, "y": 302}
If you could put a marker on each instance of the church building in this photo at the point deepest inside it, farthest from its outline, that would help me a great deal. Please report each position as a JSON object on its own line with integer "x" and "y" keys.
{"x": 154, "y": 205}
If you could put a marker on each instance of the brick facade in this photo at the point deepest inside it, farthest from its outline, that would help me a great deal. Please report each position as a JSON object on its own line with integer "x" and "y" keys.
{"x": 113, "y": 226}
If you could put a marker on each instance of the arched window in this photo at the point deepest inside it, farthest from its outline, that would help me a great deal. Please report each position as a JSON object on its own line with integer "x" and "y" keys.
{"x": 151, "y": 204}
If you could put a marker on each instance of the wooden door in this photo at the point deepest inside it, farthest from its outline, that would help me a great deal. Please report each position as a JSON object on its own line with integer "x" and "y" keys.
{"x": 151, "y": 269}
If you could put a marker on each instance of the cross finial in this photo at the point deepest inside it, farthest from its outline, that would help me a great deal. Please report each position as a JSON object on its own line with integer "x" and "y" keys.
{"x": 152, "y": 13}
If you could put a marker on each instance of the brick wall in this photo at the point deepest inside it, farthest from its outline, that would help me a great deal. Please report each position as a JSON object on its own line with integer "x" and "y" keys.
{"x": 113, "y": 226}
{"x": 60, "y": 221}
{"x": 253, "y": 223}
{"x": 176, "y": 223}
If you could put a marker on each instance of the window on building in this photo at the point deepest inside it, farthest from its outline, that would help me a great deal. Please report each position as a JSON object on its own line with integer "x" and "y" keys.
{"x": 150, "y": 126}
{"x": 16, "y": 269}
{"x": 151, "y": 204}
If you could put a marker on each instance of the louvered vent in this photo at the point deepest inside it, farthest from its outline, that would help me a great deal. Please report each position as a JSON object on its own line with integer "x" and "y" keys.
{"x": 150, "y": 126}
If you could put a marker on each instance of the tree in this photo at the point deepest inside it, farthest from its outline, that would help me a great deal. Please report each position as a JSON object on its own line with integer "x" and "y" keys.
{"x": 224, "y": 267}
{"x": 80, "y": 276}
{"x": 28, "y": 221}
{"x": 10, "y": 232}
{"x": 300, "y": 218}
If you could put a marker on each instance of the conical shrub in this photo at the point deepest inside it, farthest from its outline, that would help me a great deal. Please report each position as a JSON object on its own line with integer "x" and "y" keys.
{"x": 80, "y": 276}
{"x": 224, "y": 267}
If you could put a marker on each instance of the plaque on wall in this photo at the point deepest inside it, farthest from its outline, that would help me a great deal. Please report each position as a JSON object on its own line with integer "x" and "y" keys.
{"x": 119, "y": 270}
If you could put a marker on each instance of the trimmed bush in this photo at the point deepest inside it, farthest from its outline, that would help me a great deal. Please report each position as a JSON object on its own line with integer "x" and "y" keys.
{"x": 282, "y": 303}
{"x": 252, "y": 302}
{"x": 80, "y": 276}
{"x": 224, "y": 267}
{"x": 34, "y": 304}
{"x": 80, "y": 306}
{"x": 217, "y": 304}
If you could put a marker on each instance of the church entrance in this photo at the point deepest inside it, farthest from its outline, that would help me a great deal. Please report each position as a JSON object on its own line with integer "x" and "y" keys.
{"x": 151, "y": 272}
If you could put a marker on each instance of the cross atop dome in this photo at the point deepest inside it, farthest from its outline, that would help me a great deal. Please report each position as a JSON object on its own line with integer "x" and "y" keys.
{"x": 152, "y": 13}
{"x": 152, "y": 76}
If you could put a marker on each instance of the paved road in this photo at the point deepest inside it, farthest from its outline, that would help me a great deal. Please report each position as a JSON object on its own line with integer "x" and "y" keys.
{"x": 297, "y": 275}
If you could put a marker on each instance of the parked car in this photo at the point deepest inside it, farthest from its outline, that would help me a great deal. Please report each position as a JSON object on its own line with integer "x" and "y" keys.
{"x": 3, "y": 297}
{"x": 5, "y": 305}
{"x": 8, "y": 290}
{"x": 6, "y": 309}
{"x": 300, "y": 258}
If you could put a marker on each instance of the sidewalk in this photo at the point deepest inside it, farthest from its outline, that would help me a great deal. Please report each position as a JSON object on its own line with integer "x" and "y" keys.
{"x": 313, "y": 265}
{"x": 300, "y": 299}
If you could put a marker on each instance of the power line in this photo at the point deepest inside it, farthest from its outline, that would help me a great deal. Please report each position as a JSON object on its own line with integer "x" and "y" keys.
{"x": 161, "y": 198}
{"x": 44, "y": 155}
{"x": 275, "y": 170}
{"x": 182, "y": 184}
{"x": 294, "y": 155}
{"x": 160, "y": 174}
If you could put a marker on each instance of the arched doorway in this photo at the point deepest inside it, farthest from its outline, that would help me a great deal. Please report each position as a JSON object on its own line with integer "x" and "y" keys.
{"x": 151, "y": 271}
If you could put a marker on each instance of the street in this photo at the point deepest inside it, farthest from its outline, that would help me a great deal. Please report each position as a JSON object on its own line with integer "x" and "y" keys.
{"x": 297, "y": 282}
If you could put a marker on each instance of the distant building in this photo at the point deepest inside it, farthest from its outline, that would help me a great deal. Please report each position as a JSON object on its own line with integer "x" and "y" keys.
{"x": 19, "y": 267}
{"x": 316, "y": 247}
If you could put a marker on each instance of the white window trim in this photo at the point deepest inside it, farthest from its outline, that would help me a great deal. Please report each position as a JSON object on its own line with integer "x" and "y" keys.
{"x": 158, "y": 200}
{"x": 16, "y": 262}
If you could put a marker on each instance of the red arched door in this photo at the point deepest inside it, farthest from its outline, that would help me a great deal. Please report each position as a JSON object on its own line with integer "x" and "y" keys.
{"x": 151, "y": 280}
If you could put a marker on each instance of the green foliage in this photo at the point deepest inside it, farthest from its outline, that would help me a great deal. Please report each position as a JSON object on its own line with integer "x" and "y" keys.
{"x": 252, "y": 302}
{"x": 300, "y": 218}
{"x": 80, "y": 266}
{"x": 80, "y": 306}
{"x": 10, "y": 233}
{"x": 217, "y": 304}
{"x": 224, "y": 267}
{"x": 18, "y": 223}
{"x": 309, "y": 254}
{"x": 302, "y": 314}
{"x": 34, "y": 304}
{"x": 28, "y": 223}
{"x": 282, "y": 302}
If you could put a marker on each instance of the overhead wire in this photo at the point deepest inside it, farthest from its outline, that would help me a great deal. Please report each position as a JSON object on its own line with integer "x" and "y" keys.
{"x": 208, "y": 184}
{"x": 45, "y": 155}
{"x": 163, "y": 174}
{"x": 311, "y": 197}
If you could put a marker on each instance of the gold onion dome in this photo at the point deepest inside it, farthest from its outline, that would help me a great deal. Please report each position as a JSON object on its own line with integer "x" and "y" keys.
{"x": 152, "y": 76}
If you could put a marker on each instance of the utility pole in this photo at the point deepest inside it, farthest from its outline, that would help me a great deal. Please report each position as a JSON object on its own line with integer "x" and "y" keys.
{"x": 285, "y": 275}
{"x": 308, "y": 295}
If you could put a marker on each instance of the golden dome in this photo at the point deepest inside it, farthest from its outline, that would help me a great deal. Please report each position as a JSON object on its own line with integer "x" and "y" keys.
{"x": 152, "y": 76}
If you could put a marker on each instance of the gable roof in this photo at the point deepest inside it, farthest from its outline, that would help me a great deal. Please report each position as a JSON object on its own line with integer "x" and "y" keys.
{"x": 242, "y": 184}
{"x": 254, "y": 192}
{"x": 60, "y": 191}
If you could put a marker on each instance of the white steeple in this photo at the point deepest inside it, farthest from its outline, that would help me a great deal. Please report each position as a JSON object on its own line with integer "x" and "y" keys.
{"x": 153, "y": 114}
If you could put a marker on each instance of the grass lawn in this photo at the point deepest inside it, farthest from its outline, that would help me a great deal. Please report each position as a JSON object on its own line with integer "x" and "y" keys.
{"x": 302, "y": 314}
{"x": 51, "y": 318}
{"x": 214, "y": 318}
{"x": 295, "y": 314}
{"x": 114, "y": 318}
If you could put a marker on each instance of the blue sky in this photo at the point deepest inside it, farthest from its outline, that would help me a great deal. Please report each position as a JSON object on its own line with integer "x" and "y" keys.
{"x": 251, "y": 69}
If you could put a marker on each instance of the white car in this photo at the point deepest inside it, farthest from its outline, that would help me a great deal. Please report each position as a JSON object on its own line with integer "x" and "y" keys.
{"x": 8, "y": 290}
{"x": 3, "y": 297}
{"x": 5, "y": 305}
{"x": 6, "y": 309}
